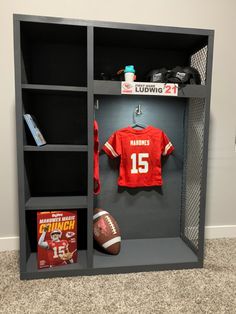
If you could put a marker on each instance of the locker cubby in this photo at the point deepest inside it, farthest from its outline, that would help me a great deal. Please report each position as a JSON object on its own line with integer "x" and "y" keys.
{"x": 54, "y": 54}
{"x": 115, "y": 48}
{"x": 61, "y": 116}
{"x": 156, "y": 207}
{"x": 51, "y": 174}
{"x": 31, "y": 241}
{"x": 172, "y": 211}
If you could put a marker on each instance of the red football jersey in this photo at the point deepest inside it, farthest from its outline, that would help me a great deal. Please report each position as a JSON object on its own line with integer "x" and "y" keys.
{"x": 140, "y": 155}
{"x": 55, "y": 250}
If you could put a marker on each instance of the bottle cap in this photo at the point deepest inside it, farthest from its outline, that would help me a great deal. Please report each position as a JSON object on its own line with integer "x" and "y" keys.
{"x": 129, "y": 68}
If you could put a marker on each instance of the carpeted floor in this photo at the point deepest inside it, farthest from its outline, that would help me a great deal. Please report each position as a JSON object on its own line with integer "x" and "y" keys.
{"x": 208, "y": 290}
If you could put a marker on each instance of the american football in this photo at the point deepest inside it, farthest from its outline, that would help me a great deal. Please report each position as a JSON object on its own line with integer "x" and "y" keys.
{"x": 106, "y": 231}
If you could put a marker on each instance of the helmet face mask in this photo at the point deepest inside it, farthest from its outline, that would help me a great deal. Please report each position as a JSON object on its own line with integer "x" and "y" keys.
{"x": 56, "y": 235}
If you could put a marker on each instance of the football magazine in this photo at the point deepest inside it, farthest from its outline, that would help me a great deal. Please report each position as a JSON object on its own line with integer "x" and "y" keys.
{"x": 57, "y": 238}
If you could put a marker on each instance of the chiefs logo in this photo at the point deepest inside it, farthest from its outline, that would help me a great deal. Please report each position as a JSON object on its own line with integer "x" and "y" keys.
{"x": 70, "y": 234}
{"x": 127, "y": 87}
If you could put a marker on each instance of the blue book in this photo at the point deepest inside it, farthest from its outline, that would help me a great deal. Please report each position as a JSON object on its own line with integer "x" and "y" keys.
{"x": 36, "y": 133}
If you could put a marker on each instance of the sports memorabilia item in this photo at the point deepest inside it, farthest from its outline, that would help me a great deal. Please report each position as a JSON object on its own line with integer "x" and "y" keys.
{"x": 157, "y": 76}
{"x": 184, "y": 75}
{"x": 129, "y": 73}
{"x": 57, "y": 238}
{"x": 106, "y": 231}
{"x": 140, "y": 154}
{"x": 96, "y": 179}
{"x": 178, "y": 75}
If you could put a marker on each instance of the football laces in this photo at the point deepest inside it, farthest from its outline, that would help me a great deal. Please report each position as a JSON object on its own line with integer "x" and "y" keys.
{"x": 113, "y": 228}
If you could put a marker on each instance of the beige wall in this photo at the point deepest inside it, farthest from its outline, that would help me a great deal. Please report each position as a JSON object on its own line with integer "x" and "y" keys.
{"x": 213, "y": 14}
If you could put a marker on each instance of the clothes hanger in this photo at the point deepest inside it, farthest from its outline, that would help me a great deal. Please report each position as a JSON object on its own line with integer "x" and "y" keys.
{"x": 96, "y": 107}
{"x": 137, "y": 124}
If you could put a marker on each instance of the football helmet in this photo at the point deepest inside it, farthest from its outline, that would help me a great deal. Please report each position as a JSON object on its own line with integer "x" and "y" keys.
{"x": 184, "y": 75}
{"x": 56, "y": 232}
{"x": 180, "y": 75}
{"x": 157, "y": 76}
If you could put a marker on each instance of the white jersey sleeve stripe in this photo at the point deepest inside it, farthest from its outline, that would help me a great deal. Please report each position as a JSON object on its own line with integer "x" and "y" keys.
{"x": 168, "y": 146}
{"x": 111, "y": 149}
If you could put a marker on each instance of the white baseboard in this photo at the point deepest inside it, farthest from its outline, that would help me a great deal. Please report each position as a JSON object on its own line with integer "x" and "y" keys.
{"x": 9, "y": 243}
{"x": 217, "y": 232}
{"x": 211, "y": 232}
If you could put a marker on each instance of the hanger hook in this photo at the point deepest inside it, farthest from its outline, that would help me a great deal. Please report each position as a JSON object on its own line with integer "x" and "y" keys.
{"x": 96, "y": 106}
{"x": 138, "y": 110}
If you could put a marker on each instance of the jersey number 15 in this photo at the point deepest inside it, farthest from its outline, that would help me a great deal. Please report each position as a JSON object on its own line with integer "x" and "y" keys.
{"x": 139, "y": 165}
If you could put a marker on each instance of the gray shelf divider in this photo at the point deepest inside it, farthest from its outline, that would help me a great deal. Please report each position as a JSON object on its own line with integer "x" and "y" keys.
{"x": 59, "y": 88}
{"x": 56, "y": 148}
{"x": 90, "y": 117}
{"x": 57, "y": 202}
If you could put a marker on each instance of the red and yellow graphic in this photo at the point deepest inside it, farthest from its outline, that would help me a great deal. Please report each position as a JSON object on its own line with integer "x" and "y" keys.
{"x": 57, "y": 238}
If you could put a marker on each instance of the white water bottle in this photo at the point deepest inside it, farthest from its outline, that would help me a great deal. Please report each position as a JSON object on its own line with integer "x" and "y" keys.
{"x": 129, "y": 73}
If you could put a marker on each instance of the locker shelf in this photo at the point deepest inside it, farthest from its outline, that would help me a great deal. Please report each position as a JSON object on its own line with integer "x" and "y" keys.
{"x": 53, "y": 88}
{"x": 56, "y": 148}
{"x": 114, "y": 88}
{"x": 32, "y": 270}
{"x": 57, "y": 202}
{"x": 139, "y": 252}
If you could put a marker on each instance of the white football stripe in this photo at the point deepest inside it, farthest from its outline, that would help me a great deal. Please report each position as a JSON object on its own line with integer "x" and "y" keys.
{"x": 111, "y": 149}
{"x": 167, "y": 148}
{"x": 110, "y": 242}
{"x": 103, "y": 212}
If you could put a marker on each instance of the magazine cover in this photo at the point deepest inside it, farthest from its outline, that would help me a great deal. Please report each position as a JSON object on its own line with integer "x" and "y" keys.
{"x": 57, "y": 238}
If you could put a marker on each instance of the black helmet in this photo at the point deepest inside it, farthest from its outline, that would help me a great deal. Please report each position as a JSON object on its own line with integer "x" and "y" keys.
{"x": 157, "y": 76}
{"x": 180, "y": 75}
{"x": 184, "y": 75}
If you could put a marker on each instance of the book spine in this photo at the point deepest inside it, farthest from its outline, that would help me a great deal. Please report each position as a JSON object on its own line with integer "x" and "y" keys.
{"x": 38, "y": 137}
